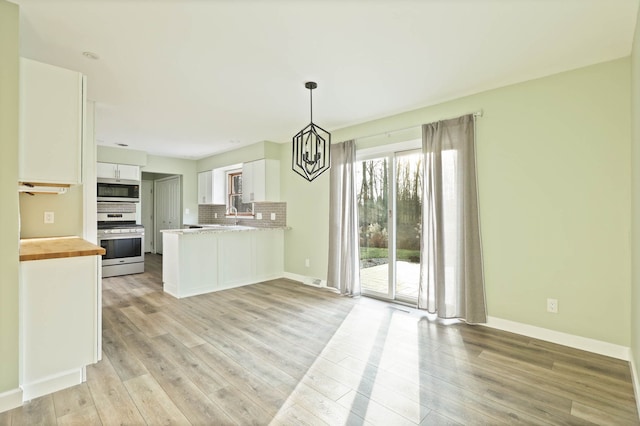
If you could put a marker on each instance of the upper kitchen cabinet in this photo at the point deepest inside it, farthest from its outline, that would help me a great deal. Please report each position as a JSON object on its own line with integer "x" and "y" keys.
{"x": 205, "y": 187}
{"x": 118, "y": 171}
{"x": 212, "y": 186}
{"x": 261, "y": 181}
{"x": 52, "y": 102}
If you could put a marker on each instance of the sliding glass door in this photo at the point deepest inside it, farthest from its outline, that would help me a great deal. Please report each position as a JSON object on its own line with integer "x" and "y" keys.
{"x": 390, "y": 206}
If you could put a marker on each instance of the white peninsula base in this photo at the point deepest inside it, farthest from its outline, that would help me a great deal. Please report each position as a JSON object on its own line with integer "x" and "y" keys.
{"x": 198, "y": 261}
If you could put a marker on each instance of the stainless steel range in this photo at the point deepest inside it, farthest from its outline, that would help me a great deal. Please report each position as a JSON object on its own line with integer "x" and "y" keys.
{"x": 122, "y": 238}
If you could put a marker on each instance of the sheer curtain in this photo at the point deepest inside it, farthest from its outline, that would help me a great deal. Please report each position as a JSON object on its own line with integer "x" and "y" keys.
{"x": 344, "y": 255}
{"x": 451, "y": 274}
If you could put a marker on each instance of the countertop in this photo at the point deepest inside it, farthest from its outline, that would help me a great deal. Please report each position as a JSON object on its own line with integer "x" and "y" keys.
{"x": 57, "y": 247}
{"x": 209, "y": 229}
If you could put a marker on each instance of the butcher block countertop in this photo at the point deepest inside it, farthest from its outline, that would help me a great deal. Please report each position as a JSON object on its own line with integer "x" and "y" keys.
{"x": 56, "y": 248}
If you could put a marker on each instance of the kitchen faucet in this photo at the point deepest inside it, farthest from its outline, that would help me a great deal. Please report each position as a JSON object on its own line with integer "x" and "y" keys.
{"x": 234, "y": 209}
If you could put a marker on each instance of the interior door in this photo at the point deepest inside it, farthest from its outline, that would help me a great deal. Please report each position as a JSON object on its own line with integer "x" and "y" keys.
{"x": 389, "y": 210}
{"x": 168, "y": 207}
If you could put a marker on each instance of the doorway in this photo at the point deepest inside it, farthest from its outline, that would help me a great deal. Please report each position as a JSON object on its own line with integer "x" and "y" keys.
{"x": 389, "y": 214}
{"x": 168, "y": 206}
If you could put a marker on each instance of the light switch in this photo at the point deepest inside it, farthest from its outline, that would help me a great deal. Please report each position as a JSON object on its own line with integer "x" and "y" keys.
{"x": 259, "y": 216}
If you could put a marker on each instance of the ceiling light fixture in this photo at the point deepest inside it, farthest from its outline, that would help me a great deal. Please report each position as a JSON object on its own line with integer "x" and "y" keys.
{"x": 311, "y": 146}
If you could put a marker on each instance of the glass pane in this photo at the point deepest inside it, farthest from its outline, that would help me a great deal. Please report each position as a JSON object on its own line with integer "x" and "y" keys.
{"x": 373, "y": 205}
{"x": 236, "y": 184}
{"x": 408, "y": 224}
{"x": 236, "y": 201}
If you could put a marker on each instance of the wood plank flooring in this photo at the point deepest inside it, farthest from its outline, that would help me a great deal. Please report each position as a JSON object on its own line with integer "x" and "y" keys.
{"x": 286, "y": 354}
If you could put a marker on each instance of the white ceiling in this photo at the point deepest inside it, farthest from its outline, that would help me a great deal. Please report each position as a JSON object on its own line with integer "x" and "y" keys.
{"x": 185, "y": 78}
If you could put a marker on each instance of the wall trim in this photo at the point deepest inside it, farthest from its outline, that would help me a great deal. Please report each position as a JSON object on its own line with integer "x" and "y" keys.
{"x": 314, "y": 282}
{"x": 566, "y": 339}
{"x": 51, "y": 384}
{"x": 10, "y": 400}
{"x": 634, "y": 379}
{"x": 571, "y": 340}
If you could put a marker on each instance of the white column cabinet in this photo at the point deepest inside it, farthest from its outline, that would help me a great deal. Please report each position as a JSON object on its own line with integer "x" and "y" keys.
{"x": 118, "y": 171}
{"x": 52, "y": 102}
{"x": 261, "y": 181}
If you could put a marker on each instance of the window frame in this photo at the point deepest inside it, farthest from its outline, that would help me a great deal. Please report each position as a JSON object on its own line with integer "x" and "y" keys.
{"x": 230, "y": 174}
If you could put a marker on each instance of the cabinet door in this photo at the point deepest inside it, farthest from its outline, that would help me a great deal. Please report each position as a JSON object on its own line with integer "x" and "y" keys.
{"x": 51, "y": 123}
{"x": 205, "y": 187}
{"x": 261, "y": 181}
{"x": 258, "y": 181}
{"x": 106, "y": 170}
{"x": 60, "y": 323}
{"x": 248, "y": 180}
{"x": 128, "y": 172}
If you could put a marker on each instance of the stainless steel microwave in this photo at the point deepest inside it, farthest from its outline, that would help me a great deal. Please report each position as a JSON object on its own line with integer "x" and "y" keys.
{"x": 121, "y": 190}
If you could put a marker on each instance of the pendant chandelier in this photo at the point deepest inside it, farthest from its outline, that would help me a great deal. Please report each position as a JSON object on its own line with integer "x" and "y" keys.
{"x": 311, "y": 146}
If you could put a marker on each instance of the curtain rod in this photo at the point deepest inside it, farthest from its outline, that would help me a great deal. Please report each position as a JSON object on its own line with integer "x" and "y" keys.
{"x": 475, "y": 114}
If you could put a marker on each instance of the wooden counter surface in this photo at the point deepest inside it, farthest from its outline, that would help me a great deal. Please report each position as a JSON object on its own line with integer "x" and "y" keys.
{"x": 56, "y": 248}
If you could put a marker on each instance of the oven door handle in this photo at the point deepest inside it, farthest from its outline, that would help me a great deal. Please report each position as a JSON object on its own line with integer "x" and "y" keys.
{"x": 120, "y": 237}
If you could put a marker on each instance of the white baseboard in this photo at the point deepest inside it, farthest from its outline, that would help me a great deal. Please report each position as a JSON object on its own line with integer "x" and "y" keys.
{"x": 315, "y": 282}
{"x": 10, "y": 400}
{"x": 571, "y": 340}
{"x": 51, "y": 384}
{"x": 634, "y": 377}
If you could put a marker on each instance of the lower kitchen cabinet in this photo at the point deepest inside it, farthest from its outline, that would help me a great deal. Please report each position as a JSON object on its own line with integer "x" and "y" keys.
{"x": 60, "y": 322}
{"x": 198, "y": 261}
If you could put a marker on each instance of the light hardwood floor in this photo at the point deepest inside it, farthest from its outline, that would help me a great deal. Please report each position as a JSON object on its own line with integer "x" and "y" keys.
{"x": 284, "y": 353}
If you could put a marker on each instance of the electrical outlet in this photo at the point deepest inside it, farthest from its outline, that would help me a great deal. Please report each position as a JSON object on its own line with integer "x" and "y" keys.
{"x": 187, "y": 211}
{"x": 273, "y": 216}
{"x": 552, "y": 306}
{"x": 259, "y": 216}
{"x": 215, "y": 215}
{"x": 307, "y": 263}
{"x": 48, "y": 217}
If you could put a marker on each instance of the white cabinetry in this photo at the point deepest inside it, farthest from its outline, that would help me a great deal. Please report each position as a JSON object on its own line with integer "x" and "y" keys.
{"x": 212, "y": 186}
{"x": 60, "y": 305}
{"x": 205, "y": 187}
{"x": 261, "y": 181}
{"x": 52, "y": 101}
{"x": 118, "y": 171}
{"x": 202, "y": 261}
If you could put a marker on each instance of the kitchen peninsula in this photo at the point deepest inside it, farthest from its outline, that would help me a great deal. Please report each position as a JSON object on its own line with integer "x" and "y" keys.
{"x": 218, "y": 257}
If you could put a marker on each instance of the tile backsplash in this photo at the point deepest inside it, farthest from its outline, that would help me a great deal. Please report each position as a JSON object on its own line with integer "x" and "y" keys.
{"x": 207, "y": 215}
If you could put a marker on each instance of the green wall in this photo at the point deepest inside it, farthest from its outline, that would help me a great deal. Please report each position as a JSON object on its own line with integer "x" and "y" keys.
{"x": 186, "y": 168}
{"x": 635, "y": 207}
{"x": 554, "y": 187}
{"x": 256, "y": 151}
{"x": 9, "y": 213}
